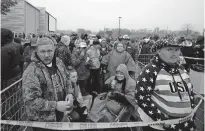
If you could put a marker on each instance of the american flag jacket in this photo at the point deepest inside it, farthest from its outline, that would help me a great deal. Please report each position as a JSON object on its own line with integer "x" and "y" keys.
{"x": 165, "y": 92}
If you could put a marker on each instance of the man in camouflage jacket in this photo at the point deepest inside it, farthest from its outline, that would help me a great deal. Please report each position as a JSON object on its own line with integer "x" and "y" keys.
{"x": 46, "y": 85}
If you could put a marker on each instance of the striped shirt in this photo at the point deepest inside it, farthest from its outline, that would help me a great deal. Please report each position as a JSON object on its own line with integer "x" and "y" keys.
{"x": 166, "y": 97}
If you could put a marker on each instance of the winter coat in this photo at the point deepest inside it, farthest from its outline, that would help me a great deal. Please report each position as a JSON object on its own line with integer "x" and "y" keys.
{"x": 28, "y": 52}
{"x": 11, "y": 59}
{"x": 114, "y": 58}
{"x": 71, "y": 45}
{"x": 146, "y": 48}
{"x": 104, "y": 49}
{"x": 130, "y": 83}
{"x": 131, "y": 48}
{"x": 94, "y": 56}
{"x": 107, "y": 104}
{"x": 80, "y": 65}
{"x": 27, "y": 55}
{"x": 39, "y": 93}
{"x": 188, "y": 52}
{"x": 163, "y": 89}
{"x": 63, "y": 53}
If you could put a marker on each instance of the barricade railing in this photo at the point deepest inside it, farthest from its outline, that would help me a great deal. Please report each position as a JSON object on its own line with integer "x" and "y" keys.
{"x": 199, "y": 121}
{"x": 13, "y": 108}
{"x": 143, "y": 59}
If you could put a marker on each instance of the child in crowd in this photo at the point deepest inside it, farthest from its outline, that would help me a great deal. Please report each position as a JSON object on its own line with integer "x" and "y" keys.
{"x": 81, "y": 104}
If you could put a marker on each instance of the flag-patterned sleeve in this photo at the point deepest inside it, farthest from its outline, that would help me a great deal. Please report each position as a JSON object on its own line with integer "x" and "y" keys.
{"x": 144, "y": 88}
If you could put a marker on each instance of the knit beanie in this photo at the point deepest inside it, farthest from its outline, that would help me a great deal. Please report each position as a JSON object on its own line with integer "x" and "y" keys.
{"x": 45, "y": 41}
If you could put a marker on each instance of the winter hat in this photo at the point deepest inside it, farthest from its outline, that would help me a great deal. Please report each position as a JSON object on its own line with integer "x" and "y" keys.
{"x": 45, "y": 41}
{"x": 166, "y": 42}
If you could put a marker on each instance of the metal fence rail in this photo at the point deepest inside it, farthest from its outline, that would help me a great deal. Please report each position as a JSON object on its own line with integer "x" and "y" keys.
{"x": 199, "y": 121}
{"x": 143, "y": 59}
{"x": 12, "y": 106}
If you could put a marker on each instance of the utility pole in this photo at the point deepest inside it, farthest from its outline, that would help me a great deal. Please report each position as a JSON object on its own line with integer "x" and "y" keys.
{"x": 119, "y": 26}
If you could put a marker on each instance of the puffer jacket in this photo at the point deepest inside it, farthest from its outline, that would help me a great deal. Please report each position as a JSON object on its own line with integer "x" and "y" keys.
{"x": 38, "y": 90}
{"x": 80, "y": 65}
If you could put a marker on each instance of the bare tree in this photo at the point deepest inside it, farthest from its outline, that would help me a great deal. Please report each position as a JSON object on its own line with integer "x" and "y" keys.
{"x": 187, "y": 29}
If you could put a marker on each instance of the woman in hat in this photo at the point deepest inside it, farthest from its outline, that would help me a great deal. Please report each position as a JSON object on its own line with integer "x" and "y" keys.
{"x": 164, "y": 90}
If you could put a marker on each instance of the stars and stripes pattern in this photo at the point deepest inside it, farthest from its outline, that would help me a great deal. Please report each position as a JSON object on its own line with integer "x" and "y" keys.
{"x": 164, "y": 42}
{"x": 144, "y": 88}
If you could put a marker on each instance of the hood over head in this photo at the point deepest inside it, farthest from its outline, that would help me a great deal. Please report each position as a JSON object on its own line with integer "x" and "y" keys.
{"x": 123, "y": 68}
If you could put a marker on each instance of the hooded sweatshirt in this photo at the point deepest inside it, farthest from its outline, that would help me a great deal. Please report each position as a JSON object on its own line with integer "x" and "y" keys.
{"x": 124, "y": 97}
{"x": 129, "y": 87}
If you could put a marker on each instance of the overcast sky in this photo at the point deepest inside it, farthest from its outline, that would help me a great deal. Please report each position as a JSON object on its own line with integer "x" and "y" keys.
{"x": 136, "y": 14}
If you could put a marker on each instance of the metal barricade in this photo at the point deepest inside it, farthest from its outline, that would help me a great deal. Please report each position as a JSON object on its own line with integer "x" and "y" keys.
{"x": 143, "y": 59}
{"x": 12, "y": 106}
{"x": 199, "y": 121}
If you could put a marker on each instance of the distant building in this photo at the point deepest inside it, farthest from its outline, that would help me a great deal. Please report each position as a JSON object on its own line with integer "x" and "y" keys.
{"x": 26, "y": 18}
{"x": 48, "y": 23}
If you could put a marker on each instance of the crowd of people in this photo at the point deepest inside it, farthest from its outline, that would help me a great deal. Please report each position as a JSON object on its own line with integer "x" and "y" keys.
{"x": 80, "y": 79}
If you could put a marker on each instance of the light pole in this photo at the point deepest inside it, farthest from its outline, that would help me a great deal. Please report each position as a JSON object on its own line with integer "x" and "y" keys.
{"x": 119, "y": 25}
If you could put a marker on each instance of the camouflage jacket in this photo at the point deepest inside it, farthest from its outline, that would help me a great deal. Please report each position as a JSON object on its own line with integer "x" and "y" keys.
{"x": 39, "y": 92}
{"x": 63, "y": 53}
